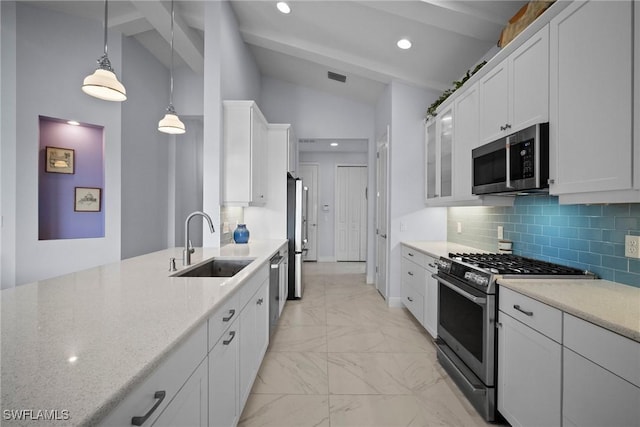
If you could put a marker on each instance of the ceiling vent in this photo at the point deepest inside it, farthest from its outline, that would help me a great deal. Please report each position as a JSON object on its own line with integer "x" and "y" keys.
{"x": 337, "y": 77}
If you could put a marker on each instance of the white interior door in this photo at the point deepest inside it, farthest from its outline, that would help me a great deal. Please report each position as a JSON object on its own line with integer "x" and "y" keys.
{"x": 351, "y": 213}
{"x": 382, "y": 157}
{"x": 308, "y": 172}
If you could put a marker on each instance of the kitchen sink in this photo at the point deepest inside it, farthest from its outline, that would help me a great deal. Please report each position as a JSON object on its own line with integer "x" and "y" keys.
{"x": 217, "y": 267}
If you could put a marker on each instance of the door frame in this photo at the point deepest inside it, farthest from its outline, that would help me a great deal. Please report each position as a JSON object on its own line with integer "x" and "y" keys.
{"x": 313, "y": 202}
{"x": 335, "y": 206}
{"x": 383, "y": 141}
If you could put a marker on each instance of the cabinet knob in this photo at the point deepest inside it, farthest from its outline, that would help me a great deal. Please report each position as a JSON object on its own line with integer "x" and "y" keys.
{"x": 410, "y": 299}
{"x": 231, "y": 313}
{"x": 502, "y": 128}
{"x": 232, "y": 335}
{"x": 260, "y": 301}
{"x": 410, "y": 273}
{"x": 507, "y": 126}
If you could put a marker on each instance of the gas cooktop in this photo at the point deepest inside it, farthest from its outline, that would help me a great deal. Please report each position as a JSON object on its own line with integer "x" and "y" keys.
{"x": 507, "y": 264}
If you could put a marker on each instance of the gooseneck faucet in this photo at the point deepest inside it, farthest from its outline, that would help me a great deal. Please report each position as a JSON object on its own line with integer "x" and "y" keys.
{"x": 188, "y": 249}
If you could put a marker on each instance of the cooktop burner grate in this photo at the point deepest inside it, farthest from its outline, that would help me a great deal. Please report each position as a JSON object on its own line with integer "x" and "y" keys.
{"x": 514, "y": 264}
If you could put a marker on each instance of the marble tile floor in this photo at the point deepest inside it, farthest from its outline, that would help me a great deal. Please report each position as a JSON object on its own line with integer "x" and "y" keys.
{"x": 341, "y": 357}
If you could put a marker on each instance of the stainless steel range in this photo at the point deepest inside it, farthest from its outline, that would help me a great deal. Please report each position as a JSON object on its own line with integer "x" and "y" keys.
{"x": 467, "y": 311}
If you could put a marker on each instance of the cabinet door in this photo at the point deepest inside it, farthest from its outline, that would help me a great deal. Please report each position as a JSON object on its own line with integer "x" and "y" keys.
{"x": 466, "y": 139}
{"x": 590, "y": 97}
{"x": 529, "y": 375}
{"x": 430, "y": 160}
{"x": 494, "y": 102}
{"x": 248, "y": 348}
{"x": 593, "y": 396}
{"x": 258, "y": 158}
{"x": 223, "y": 380}
{"x": 262, "y": 324}
{"x": 529, "y": 82}
{"x": 444, "y": 181}
{"x": 189, "y": 407}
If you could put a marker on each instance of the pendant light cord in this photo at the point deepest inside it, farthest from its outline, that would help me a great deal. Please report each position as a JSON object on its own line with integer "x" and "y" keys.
{"x": 106, "y": 17}
{"x": 171, "y": 90}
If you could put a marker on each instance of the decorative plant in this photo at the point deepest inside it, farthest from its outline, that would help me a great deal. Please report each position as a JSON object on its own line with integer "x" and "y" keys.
{"x": 431, "y": 111}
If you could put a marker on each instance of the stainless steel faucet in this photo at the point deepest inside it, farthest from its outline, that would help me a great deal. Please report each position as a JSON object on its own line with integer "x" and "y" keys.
{"x": 188, "y": 249}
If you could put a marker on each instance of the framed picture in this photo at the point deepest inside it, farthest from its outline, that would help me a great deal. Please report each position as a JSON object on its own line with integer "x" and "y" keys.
{"x": 87, "y": 199}
{"x": 59, "y": 160}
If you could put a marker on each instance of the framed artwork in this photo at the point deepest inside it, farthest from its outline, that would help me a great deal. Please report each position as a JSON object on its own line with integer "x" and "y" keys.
{"x": 87, "y": 199}
{"x": 59, "y": 160}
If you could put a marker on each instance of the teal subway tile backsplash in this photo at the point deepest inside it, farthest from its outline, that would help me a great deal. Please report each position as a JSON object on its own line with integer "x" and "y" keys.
{"x": 589, "y": 237}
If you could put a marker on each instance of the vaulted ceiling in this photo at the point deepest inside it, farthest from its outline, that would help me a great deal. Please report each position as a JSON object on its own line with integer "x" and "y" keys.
{"x": 350, "y": 37}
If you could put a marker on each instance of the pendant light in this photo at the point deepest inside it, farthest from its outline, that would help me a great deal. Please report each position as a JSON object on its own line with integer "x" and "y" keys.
{"x": 171, "y": 123}
{"x": 103, "y": 83}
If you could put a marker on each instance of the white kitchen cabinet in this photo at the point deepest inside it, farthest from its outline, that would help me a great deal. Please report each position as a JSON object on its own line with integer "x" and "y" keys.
{"x": 591, "y": 133}
{"x": 292, "y": 152}
{"x": 244, "y": 154}
{"x": 413, "y": 287}
{"x": 466, "y": 130}
{"x": 149, "y": 399}
{"x": 254, "y": 338}
{"x": 601, "y": 376}
{"x": 190, "y": 406}
{"x": 439, "y": 158}
{"x": 515, "y": 93}
{"x": 224, "y": 405}
{"x": 529, "y": 362}
{"x": 430, "y": 304}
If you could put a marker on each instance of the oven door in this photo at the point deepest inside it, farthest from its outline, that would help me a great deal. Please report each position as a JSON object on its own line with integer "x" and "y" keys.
{"x": 466, "y": 324}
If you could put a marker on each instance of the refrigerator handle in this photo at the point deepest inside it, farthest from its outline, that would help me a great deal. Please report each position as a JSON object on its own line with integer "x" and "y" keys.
{"x": 305, "y": 221}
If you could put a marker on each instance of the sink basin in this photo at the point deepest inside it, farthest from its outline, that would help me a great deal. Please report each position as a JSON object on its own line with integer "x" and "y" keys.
{"x": 217, "y": 267}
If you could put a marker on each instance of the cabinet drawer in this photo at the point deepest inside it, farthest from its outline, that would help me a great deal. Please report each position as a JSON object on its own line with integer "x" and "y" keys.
{"x": 414, "y": 275}
{"x": 430, "y": 265}
{"x": 222, "y": 318}
{"x": 613, "y": 352}
{"x": 252, "y": 284}
{"x": 413, "y": 300}
{"x": 168, "y": 377}
{"x": 415, "y": 256}
{"x": 541, "y": 317}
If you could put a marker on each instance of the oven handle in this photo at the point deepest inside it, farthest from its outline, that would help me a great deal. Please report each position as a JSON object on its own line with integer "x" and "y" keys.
{"x": 467, "y": 295}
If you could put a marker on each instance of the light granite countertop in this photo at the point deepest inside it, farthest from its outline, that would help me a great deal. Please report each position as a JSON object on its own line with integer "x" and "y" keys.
{"x": 611, "y": 305}
{"x": 440, "y": 248}
{"x": 82, "y": 341}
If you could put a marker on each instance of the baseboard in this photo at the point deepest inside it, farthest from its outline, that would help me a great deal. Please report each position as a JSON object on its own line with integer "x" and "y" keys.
{"x": 371, "y": 280}
{"x": 326, "y": 259}
{"x": 395, "y": 302}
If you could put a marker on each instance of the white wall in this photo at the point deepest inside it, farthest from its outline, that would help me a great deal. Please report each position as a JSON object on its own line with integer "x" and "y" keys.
{"x": 327, "y": 163}
{"x": 188, "y": 92}
{"x": 316, "y": 114}
{"x": 145, "y": 152}
{"x": 57, "y": 61}
{"x": 229, "y": 72}
{"x": 7, "y": 143}
{"x": 408, "y": 106}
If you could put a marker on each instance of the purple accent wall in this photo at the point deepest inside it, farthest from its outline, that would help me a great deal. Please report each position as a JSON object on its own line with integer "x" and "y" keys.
{"x": 56, "y": 216}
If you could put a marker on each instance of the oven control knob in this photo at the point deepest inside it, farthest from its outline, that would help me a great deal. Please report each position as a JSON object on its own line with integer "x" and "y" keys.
{"x": 470, "y": 276}
{"x": 482, "y": 281}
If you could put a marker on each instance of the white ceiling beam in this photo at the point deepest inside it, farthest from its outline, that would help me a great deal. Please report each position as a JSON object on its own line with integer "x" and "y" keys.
{"x": 187, "y": 43}
{"x": 464, "y": 9}
{"x": 130, "y": 24}
{"x": 348, "y": 62}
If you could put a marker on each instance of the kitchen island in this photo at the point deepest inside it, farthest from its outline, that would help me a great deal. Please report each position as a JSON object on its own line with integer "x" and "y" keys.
{"x": 78, "y": 344}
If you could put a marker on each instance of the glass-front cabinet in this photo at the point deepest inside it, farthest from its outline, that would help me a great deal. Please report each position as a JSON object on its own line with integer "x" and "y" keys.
{"x": 439, "y": 157}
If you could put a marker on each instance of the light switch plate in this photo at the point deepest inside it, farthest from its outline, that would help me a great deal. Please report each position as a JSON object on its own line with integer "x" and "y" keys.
{"x": 459, "y": 227}
{"x": 632, "y": 246}
{"x": 500, "y": 232}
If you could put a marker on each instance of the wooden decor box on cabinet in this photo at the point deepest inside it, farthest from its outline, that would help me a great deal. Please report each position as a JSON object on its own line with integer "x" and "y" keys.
{"x": 245, "y": 150}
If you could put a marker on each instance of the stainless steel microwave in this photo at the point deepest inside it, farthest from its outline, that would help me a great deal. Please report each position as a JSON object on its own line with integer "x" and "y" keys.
{"x": 516, "y": 163}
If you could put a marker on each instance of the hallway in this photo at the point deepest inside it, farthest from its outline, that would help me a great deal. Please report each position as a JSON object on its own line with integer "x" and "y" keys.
{"x": 341, "y": 357}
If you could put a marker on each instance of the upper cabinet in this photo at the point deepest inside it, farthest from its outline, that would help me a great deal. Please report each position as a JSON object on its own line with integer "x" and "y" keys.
{"x": 245, "y": 150}
{"x": 439, "y": 158}
{"x": 515, "y": 93}
{"x": 292, "y": 152}
{"x": 592, "y": 144}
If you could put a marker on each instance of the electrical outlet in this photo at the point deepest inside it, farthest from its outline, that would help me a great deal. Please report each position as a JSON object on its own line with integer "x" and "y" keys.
{"x": 459, "y": 227}
{"x": 632, "y": 246}
{"x": 403, "y": 226}
{"x": 500, "y": 232}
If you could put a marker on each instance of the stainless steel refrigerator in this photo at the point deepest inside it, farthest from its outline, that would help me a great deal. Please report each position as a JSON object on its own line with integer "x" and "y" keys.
{"x": 296, "y": 233}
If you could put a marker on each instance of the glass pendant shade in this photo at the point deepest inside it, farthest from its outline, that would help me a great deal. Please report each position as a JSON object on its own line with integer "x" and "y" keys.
{"x": 104, "y": 84}
{"x": 171, "y": 123}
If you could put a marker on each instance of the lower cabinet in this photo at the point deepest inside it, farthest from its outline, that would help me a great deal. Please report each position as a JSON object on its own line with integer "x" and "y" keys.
{"x": 224, "y": 408}
{"x": 419, "y": 289}
{"x": 430, "y": 304}
{"x": 191, "y": 405}
{"x": 529, "y": 376}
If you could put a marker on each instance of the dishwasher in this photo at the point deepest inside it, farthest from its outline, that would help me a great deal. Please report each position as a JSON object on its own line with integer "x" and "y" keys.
{"x": 277, "y": 277}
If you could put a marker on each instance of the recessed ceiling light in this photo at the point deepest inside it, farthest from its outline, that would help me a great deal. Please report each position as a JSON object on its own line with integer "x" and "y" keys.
{"x": 404, "y": 44}
{"x": 334, "y": 144}
{"x": 73, "y": 123}
{"x": 283, "y": 7}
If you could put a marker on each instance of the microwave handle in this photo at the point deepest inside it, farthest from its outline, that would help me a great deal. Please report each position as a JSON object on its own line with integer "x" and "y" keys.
{"x": 508, "y": 151}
